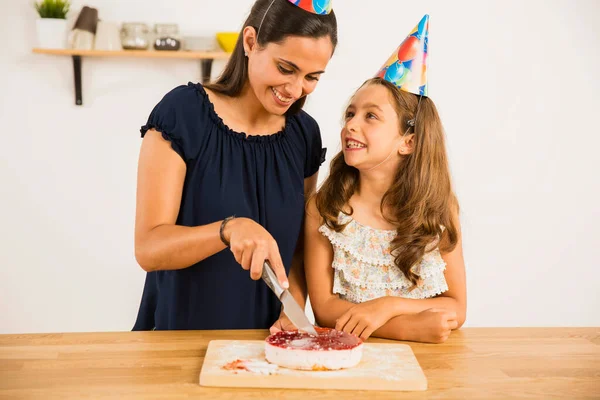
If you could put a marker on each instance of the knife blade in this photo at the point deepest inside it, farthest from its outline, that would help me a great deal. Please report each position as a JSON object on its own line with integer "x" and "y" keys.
{"x": 290, "y": 307}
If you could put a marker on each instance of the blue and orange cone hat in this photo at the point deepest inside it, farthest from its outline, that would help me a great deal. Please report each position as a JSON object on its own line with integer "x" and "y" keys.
{"x": 319, "y": 7}
{"x": 407, "y": 66}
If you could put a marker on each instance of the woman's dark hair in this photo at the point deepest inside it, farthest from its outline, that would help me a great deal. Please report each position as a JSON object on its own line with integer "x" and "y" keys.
{"x": 283, "y": 19}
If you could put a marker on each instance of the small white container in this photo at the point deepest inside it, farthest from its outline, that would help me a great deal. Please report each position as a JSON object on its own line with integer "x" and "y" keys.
{"x": 52, "y": 33}
{"x": 107, "y": 36}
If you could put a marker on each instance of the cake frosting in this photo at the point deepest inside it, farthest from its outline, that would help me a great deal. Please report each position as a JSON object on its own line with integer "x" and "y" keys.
{"x": 329, "y": 350}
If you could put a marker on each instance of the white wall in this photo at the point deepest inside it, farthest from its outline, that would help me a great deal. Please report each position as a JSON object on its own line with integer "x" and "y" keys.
{"x": 513, "y": 81}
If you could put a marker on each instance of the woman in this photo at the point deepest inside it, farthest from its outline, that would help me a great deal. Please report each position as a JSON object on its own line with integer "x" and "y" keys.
{"x": 229, "y": 165}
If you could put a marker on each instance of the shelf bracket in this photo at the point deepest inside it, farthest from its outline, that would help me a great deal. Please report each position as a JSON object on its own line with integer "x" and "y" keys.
{"x": 205, "y": 64}
{"x": 77, "y": 75}
{"x": 206, "y": 69}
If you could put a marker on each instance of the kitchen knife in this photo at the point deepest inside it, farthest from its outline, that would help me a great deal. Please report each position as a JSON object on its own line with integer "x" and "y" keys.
{"x": 290, "y": 307}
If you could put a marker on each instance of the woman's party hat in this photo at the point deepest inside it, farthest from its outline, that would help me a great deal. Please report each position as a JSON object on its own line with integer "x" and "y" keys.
{"x": 319, "y": 7}
{"x": 407, "y": 67}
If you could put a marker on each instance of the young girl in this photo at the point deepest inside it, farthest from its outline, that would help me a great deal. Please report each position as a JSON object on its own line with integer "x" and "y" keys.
{"x": 383, "y": 246}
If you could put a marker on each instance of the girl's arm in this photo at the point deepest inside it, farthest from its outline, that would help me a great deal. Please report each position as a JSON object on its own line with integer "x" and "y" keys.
{"x": 318, "y": 257}
{"x": 386, "y": 317}
{"x": 454, "y": 299}
{"x": 297, "y": 276}
{"x": 423, "y": 320}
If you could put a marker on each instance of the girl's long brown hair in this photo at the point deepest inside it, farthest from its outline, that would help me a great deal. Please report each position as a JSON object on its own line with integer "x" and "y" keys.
{"x": 420, "y": 201}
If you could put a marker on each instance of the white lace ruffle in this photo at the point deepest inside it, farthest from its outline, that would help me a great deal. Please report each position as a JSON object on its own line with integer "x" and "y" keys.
{"x": 388, "y": 276}
{"x": 352, "y": 240}
{"x": 364, "y": 269}
{"x": 360, "y": 295}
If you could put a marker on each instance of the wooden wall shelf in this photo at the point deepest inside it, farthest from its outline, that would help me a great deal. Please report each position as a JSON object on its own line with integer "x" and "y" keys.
{"x": 206, "y": 58}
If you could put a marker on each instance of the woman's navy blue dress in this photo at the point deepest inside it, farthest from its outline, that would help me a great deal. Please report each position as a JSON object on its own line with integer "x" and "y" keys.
{"x": 228, "y": 173}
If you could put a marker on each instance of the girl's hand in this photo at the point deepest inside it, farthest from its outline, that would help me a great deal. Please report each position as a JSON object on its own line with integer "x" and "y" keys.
{"x": 251, "y": 245}
{"x": 434, "y": 325}
{"x": 365, "y": 318}
{"x": 282, "y": 324}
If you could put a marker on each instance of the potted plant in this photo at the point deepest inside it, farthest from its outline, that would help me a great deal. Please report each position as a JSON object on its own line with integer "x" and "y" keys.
{"x": 52, "y": 24}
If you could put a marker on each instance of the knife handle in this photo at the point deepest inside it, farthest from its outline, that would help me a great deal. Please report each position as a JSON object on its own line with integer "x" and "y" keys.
{"x": 268, "y": 275}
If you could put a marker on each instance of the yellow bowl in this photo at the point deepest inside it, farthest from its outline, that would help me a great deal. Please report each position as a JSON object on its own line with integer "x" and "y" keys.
{"x": 227, "y": 40}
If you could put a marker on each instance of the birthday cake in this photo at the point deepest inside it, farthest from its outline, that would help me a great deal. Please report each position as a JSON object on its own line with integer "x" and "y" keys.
{"x": 329, "y": 350}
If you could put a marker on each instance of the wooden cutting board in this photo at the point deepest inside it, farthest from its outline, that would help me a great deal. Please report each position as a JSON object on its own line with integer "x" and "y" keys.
{"x": 383, "y": 367}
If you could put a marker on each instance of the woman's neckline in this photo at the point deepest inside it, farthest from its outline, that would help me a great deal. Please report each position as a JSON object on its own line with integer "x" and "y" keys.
{"x": 270, "y": 137}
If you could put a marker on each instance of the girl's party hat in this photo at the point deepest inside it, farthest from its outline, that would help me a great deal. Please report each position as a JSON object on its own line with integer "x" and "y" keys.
{"x": 407, "y": 67}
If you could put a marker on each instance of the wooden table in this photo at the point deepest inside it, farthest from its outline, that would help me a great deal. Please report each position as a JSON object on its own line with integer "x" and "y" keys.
{"x": 475, "y": 363}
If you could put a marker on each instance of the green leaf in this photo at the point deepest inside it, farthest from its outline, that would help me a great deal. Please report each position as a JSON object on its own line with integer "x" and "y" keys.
{"x": 53, "y": 8}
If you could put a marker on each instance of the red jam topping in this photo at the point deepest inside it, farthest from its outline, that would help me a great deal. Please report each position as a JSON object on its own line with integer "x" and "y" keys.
{"x": 328, "y": 339}
{"x": 235, "y": 365}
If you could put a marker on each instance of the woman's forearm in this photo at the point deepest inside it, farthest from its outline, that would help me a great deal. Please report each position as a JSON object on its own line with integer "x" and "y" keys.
{"x": 171, "y": 247}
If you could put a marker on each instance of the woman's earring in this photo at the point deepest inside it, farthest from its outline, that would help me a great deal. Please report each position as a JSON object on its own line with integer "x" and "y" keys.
{"x": 246, "y": 53}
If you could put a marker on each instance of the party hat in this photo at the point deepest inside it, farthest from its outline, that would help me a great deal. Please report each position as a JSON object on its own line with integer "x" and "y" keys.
{"x": 319, "y": 7}
{"x": 407, "y": 67}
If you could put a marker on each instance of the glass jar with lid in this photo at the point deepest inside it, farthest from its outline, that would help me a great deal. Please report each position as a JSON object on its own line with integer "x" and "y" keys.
{"x": 134, "y": 36}
{"x": 167, "y": 37}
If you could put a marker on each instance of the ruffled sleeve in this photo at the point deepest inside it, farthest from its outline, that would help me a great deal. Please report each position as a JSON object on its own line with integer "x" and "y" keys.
{"x": 364, "y": 268}
{"x": 360, "y": 242}
{"x": 315, "y": 153}
{"x": 431, "y": 271}
{"x": 177, "y": 117}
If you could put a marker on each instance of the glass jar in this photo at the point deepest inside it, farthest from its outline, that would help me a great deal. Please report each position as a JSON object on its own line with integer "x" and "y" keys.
{"x": 134, "y": 36}
{"x": 167, "y": 37}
